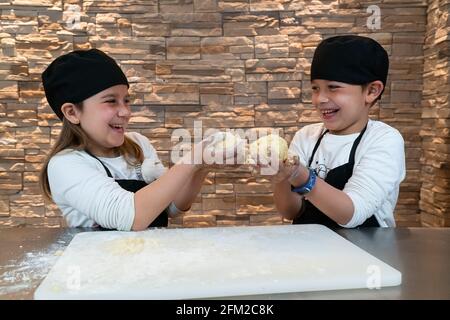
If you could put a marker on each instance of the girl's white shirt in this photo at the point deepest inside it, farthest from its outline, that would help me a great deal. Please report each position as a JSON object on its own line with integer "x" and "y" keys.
{"x": 87, "y": 197}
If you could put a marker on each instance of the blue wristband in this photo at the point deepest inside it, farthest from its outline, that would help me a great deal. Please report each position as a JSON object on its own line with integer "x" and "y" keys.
{"x": 308, "y": 186}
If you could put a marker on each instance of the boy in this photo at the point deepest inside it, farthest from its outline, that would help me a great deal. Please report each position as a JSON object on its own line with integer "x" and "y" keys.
{"x": 350, "y": 166}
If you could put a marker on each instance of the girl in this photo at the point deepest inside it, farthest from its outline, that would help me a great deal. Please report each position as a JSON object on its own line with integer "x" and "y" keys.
{"x": 97, "y": 173}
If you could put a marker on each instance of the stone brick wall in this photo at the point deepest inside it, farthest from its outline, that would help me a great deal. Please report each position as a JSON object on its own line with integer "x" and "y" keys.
{"x": 232, "y": 64}
{"x": 435, "y": 172}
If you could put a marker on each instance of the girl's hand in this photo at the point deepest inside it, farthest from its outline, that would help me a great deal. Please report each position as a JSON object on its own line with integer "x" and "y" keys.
{"x": 218, "y": 150}
{"x": 225, "y": 149}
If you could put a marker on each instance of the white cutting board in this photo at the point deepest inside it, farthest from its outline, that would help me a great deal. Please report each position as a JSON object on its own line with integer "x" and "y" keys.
{"x": 211, "y": 262}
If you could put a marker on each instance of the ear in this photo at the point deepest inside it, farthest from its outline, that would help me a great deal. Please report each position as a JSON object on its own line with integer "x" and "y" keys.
{"x": 71, "y": 112}
{"x": 373, "y": 91}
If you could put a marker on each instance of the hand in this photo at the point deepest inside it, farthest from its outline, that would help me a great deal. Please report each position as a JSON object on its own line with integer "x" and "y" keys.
{"x": 296, "y": 174}
{"x": 299, "y": 177}
{"x": 285, "y": 171}
{"x": 280, "y": 170}
{"x": 219, "y": 150}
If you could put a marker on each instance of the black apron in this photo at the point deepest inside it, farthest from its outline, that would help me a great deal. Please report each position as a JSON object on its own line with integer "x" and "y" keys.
{"x": 134, "y": 186}
{"x": 336, "y": 177}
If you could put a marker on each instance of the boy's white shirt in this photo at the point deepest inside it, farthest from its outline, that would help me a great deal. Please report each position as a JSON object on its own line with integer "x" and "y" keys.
{"x": 86, "y": 195}
{"x": 379, "y": 166}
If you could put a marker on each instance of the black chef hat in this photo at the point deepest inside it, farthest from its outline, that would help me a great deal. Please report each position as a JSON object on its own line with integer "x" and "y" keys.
{"x": 78, "y": 75}
{"x": 350, "y": 59}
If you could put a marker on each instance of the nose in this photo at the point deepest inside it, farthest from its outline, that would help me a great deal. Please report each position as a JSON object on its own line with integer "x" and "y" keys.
{"x": 322, "y": 97}
{"x": 319, "y": 97}
{"x": 124, "y": 110}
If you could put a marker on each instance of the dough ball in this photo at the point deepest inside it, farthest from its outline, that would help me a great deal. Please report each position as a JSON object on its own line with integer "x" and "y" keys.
{"x": 152, "y": 169}
{"x": 267, "y": 146}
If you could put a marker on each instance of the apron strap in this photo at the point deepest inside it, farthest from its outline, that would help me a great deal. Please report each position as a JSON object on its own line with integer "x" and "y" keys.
{"x": 352, "y": 152}
{"x": 351, "y": 158}
{"x": 315, "y": 148}
{"x": 107, "y": 170}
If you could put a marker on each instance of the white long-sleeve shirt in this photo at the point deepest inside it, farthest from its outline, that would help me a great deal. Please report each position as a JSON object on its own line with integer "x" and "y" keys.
{"x": 379, "y": 167}
{"x": 85, "y": 194}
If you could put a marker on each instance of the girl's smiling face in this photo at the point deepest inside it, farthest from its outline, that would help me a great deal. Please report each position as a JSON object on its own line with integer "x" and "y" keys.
{"x": 344, "y": 108}
{"x": 104, "y": 117}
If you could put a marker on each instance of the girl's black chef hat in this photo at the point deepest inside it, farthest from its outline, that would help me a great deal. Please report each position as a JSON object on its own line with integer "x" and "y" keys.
{"x": 78, "y": 75}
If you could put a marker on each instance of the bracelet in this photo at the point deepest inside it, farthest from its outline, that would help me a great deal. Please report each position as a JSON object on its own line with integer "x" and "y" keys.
{"x": 308, "y": 185}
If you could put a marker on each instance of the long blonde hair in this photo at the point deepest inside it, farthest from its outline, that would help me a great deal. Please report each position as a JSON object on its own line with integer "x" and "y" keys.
{"x": 72, "y": 136}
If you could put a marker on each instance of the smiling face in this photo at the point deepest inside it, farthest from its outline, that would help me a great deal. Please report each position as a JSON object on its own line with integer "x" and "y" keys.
{"x": 104, "y": 117}
{"x": 344, "y": 108}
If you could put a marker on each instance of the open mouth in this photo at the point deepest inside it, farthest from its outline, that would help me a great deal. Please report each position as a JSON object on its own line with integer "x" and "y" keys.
{"x": 329, "y": 113}
{"x": 117, "y": 128}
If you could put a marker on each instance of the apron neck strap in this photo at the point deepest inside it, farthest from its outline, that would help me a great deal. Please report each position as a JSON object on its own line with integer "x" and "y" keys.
{"x": 352, "y": 152}
{"x": 106, "y": 169}
{"x": 355, "y": 145}
{"x": 315, "y": 147}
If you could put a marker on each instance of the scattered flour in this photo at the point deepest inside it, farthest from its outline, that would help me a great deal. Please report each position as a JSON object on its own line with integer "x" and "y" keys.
{"x": 25, "y": 274}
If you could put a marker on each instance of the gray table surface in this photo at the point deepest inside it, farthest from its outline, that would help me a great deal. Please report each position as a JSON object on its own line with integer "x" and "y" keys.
{"x": 422, "y": 255}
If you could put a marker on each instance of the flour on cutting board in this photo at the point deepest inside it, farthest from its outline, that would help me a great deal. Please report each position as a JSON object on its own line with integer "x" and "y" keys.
{"x": 208, "y": 262}
{"x": 26, "y": 273}
{"x": 126, "y": 246}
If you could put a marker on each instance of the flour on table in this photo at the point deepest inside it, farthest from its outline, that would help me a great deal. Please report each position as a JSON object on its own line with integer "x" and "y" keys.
{"x": 24, "y": 274}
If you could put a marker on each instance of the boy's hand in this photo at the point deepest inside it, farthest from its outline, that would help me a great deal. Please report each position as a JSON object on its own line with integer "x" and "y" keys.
{"x": 285, "y": 171}
{"x": 280, "y": 171}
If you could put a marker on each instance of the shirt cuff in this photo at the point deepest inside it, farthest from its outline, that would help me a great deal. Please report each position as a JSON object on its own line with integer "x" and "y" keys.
{"x": 126, "y": 221}
{"x": 356, "y": 217}
{"x": 173, "y": 211}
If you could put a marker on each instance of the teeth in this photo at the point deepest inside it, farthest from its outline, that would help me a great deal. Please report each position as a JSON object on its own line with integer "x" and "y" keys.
{"x": 328, "y": 111}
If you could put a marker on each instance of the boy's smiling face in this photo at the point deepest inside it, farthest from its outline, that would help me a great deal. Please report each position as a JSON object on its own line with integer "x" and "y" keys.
{"x": 343, "y": 107}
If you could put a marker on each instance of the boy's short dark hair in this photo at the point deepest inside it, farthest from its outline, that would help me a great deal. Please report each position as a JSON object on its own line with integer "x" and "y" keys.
{"x": 350, "y": 59}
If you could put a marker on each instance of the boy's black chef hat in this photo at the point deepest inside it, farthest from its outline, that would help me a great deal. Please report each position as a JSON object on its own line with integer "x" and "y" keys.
{"x": 350, "y": 59}
{"x": 78, "y": 75}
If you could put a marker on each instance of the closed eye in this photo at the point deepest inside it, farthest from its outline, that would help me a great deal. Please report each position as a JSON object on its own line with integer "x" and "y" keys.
{"x": 334, "y": 86}
{"x": 126, "y": 101}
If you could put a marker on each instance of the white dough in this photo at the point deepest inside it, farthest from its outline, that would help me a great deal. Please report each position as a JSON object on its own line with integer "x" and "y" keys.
{"x": 126, "y": 246}
{"x": 267, "y": 146}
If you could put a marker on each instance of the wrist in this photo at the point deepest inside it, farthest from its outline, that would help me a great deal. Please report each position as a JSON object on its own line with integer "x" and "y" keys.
{"x": 299, "y": 177}
{"x": 307, "y": 186}
{"x": 201, "y": 169}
